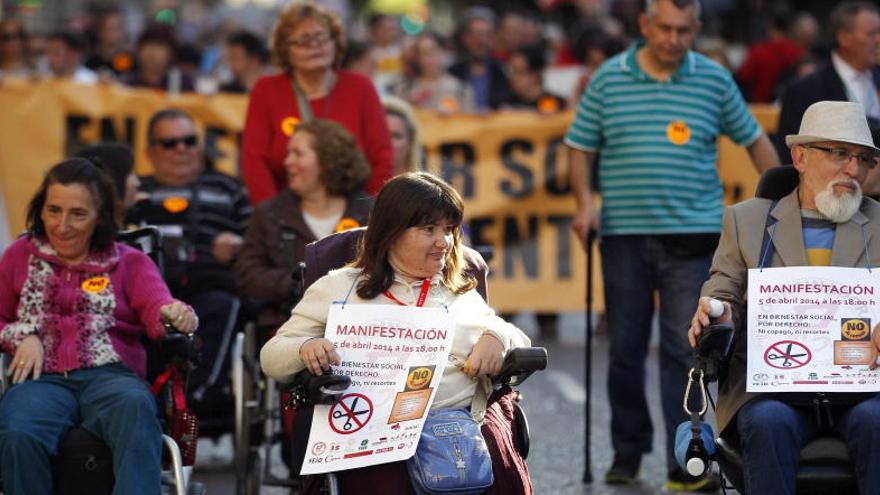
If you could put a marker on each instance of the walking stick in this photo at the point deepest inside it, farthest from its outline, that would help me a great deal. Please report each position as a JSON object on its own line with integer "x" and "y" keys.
{"x": 588, "y": 348}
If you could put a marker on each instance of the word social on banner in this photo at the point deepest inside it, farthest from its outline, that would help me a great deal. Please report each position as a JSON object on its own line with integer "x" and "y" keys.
{"x": 809, "y": 329}
{"x": 395, "y": 356}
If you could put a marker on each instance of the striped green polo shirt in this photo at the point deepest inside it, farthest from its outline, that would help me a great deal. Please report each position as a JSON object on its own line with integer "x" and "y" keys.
{"x": 656, "y": 143}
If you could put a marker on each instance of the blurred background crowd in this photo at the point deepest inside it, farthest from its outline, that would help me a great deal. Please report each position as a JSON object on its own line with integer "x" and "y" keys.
{"x": 536, "y": 54}
{"x": 448, "y": 56}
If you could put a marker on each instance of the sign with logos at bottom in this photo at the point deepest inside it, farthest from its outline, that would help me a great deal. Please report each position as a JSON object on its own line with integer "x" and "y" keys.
{"x": 395, "y": 357}
{"x": 809, "y": 329}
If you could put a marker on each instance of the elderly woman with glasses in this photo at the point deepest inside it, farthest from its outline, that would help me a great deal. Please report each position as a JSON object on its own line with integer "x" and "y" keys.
{"x": 308, "y": 42}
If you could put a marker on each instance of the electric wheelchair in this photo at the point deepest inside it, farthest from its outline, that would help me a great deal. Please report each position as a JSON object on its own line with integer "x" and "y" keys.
{"x": 825, "y": 467}
{"x": 84, "y": 463}
{"x": 261, "y": 420}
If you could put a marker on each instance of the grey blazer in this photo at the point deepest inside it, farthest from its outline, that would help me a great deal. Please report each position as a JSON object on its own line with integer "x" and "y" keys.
{"x": 739, "y": 249}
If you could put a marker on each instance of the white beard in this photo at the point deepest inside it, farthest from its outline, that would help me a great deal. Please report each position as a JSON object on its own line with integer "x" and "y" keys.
{"x": 838, "y": 209}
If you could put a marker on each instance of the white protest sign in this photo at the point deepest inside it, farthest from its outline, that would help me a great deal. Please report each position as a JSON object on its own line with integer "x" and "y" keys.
{"x": 809, "y": 329}
{"x": 395, "y": 356}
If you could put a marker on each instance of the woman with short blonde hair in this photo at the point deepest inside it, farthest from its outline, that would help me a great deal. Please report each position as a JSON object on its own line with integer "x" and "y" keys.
{"x": 308, "y": 43}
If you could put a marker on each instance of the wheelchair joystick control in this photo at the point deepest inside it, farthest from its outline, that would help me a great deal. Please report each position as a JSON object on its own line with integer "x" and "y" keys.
{"x": 717, "y": 308}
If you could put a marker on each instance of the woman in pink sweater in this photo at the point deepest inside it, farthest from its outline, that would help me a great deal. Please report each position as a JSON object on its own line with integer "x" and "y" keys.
{"x": 74, "y": 306}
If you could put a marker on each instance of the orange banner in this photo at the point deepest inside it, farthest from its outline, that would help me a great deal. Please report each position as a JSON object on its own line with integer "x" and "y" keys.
{"x": 509, "y": 166}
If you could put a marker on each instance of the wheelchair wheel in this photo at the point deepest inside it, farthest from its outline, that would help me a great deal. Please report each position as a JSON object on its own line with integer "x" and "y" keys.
{"x": 196, "y": 488}
{"x": 320, "y": 484}
{"x": 246, "y": 382}
{"x": 523, "y": 436}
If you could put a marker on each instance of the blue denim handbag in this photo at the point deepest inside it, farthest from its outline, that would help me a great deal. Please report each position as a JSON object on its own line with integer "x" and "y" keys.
{"x": 452, "y": 457}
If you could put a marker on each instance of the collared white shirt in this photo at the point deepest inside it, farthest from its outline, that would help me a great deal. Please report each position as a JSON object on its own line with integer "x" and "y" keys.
{"x": 859, "y": 86}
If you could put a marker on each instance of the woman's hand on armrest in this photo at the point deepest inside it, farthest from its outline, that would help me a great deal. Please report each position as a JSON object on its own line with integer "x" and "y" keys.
{"x": 486, "y": 358}
{"x": 28, "y": 359}
{"x": 318, "y": 354}
{"x": 181, "y": 316}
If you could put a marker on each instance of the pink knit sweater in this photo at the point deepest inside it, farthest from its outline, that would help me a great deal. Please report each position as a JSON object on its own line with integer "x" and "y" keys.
{"x": 90, "y": 314}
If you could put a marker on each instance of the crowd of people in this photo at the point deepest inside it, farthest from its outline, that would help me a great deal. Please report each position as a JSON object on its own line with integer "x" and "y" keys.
{"x": 491, "y": 59}
{"x": 330, "y": 125}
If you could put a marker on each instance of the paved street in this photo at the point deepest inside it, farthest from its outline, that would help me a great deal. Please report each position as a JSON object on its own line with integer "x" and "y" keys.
{"x": 554, "y": 401}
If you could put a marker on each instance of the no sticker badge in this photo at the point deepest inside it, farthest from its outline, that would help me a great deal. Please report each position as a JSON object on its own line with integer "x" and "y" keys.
{"x": 678, "y": 132}
{"x": 95, "y": 284}
{"x": 288, "y": 125}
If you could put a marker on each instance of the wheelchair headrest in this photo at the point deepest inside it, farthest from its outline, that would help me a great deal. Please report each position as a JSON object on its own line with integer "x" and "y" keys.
{"x": 147, "y": 239}
{"x": 777, "y": 182}
{"x": 331, "y": 252}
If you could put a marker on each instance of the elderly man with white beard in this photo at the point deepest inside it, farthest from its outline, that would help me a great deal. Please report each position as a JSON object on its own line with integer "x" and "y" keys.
{"x": 825, "y": 221}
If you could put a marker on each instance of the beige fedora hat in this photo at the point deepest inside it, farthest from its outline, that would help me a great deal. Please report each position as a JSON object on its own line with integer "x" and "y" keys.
{"x": 842, "y": 121}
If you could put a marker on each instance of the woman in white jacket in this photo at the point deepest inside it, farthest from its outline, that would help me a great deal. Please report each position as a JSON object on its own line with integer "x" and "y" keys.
{"x": 411, "y": 254}
{"x": 414, "y": 234}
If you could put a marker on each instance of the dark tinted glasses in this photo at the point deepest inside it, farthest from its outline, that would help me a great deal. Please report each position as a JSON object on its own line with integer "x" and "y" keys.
{"x": 171, "y": 143}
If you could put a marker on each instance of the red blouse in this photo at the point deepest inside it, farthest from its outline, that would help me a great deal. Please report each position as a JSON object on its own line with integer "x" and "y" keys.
{"x": 272, "y": 114}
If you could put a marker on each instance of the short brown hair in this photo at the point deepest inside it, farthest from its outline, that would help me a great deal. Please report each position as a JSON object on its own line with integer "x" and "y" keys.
{"x": 344, "y": 169}
{"x": 651, "y": 7}
{"x": 428, "y": 199}
{"x": 293, "y": 15}
{"x": 843, "y": 16}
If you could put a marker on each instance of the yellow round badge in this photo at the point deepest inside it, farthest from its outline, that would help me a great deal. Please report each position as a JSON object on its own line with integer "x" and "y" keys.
{"x": 95, "y": 284}
{"x": 419, "y": 378}
{"x": 548, "y": 104}
{"x": 854, "y": 329}
{"x": 122, "y": 62}
{"x": 678, "y": 132}
{"x": 288, "y": 125}
{"x": 347, "y": 223}
{"x": 175, "y": 204}
{"x": 448, "y": 104}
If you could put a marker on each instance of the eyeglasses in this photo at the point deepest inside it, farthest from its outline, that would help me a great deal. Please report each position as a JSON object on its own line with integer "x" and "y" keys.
{"x": 171, "y": 143}
{"x": 307, "y": 40}
{"x": 841, "y": 156}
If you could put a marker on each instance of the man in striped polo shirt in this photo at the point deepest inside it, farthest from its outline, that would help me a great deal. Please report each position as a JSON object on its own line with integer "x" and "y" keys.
{"x": 652, "y": 115}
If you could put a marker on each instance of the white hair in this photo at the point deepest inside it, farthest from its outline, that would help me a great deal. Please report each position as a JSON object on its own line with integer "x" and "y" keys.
{"x": 838, "y": 209}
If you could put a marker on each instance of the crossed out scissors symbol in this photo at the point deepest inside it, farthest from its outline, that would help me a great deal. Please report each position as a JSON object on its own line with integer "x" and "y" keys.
{"x": 350, "y": 413}
{"x": 786, "y": 356}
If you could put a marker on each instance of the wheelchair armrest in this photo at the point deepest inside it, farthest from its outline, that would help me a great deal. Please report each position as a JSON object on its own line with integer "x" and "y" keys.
{"x": 321, "y": 389}
{"x": 712, "y": 349}
{"x": 519, "y": 364}
{"x": 178, "y": 348}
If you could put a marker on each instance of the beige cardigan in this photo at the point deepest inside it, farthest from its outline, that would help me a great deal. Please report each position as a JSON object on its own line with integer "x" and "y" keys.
{"x": 280, "y": 357}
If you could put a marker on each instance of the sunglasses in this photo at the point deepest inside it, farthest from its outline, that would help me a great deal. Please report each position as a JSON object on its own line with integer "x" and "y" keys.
{"x": 171, "y": 143}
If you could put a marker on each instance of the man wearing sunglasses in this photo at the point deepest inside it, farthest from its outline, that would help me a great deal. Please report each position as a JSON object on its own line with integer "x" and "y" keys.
{"x": 203, "y": 216}
{"x": 825, "y": 221}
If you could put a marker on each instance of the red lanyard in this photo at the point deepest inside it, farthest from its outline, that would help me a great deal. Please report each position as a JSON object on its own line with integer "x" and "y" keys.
{"x": 423, "y": 294}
